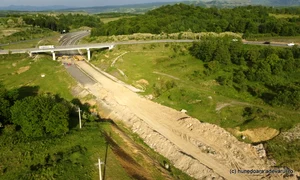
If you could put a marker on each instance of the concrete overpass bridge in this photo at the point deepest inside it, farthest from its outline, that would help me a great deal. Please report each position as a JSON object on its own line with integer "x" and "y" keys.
{"x": 88, "y": 47}
{"x": 71, "y": 48}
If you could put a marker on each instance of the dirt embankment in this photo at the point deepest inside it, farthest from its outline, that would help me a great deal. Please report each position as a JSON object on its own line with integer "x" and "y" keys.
{"x": 202, "y": 150}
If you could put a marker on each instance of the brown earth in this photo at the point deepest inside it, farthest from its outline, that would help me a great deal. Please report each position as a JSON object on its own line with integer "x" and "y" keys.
{"x": 258, "y": 134}
{"x": 23, "y": 69}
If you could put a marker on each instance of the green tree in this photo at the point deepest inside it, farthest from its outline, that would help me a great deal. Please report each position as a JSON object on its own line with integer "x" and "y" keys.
{"x": 41, "y": 115}
{"x": 57, "y": 122}
{"x": 7, "y": 99}
{"x": 222, "y": 54}
{"x": 225, "y": 80}
{"x": 275, "y": 63}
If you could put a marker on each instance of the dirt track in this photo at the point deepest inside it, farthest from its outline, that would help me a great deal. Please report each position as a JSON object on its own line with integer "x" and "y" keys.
{"x": 200, "y": 149}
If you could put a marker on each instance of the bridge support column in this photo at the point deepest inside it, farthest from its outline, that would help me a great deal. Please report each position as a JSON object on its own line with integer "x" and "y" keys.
{"x": 89, "y": 54}
{"x": 53, "y": 55}
{"x": 111, "y": 47}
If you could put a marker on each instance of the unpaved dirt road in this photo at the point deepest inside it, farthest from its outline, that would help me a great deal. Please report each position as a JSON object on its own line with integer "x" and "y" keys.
{"x": 200, "y": 149}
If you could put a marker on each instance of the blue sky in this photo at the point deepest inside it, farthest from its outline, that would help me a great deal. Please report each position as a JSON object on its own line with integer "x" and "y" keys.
{"x": 78, "y": 3}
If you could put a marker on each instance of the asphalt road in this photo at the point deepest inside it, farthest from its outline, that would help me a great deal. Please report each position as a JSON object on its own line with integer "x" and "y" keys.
{"x": 77, "y": 74}
{"x": 73, "y": 70}
{"x": 71, "y": 39}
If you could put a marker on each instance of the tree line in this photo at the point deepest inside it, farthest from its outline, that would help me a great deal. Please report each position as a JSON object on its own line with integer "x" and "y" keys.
{"x": 250, "y": 20}
{"x": 267, "y": 72}
{"x": 62, "y": 21}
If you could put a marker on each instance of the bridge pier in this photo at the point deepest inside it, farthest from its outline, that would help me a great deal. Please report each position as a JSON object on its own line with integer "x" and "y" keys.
{"x": 111, "y": 47}
{"x": 88, "y": 54}
{"x": 53, "y": 55}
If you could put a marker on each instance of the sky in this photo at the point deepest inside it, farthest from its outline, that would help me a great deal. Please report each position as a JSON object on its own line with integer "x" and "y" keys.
{"x": 75, "y": 3}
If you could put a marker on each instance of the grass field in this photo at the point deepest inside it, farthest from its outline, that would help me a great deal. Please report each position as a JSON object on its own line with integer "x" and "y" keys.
{"x": 26, "y": 37}
{"x": 108, "y": 17}
{"x": 34, "y": 43}
{"x": 20, "y": 70}
{"x": 51, "y": 39}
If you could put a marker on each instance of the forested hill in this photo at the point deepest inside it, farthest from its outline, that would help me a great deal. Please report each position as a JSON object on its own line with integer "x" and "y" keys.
{"x": 284, "y": 2}
{"x": 251, "y": 20}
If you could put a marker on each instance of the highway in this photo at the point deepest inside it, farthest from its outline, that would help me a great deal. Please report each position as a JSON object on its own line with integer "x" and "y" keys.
{"x": 72, "y": 39}
{"x": 69, "y": 41}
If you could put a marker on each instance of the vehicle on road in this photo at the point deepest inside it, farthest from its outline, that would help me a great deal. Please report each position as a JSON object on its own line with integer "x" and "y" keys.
{"x": 46, "y": 47}
{"x": 291, "y": 44}
{"x": 267, "y": 42}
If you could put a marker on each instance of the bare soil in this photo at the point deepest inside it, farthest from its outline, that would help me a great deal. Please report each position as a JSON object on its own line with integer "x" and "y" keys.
{"x": 258, "y": 134}
{"x": 23, "y": 69}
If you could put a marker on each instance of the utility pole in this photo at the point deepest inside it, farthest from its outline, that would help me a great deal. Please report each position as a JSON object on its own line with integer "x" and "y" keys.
{"x": 79, "y": 117}
{"x": 99, "y": 166}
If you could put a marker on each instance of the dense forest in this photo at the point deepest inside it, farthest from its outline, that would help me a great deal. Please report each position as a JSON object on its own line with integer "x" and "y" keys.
{"x": 60, "y": 22}
{"x": 269, "y": 73}
{"x": 250, "y": 20}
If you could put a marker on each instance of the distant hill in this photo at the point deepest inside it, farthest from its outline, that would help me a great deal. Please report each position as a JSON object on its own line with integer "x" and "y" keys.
{"x": 131, "y": 8}
{"x": 33, "y": 8}
{"x": 226, "y": 3}
{"x": 283, "y": 2}
{"x": 142, "y": 8}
